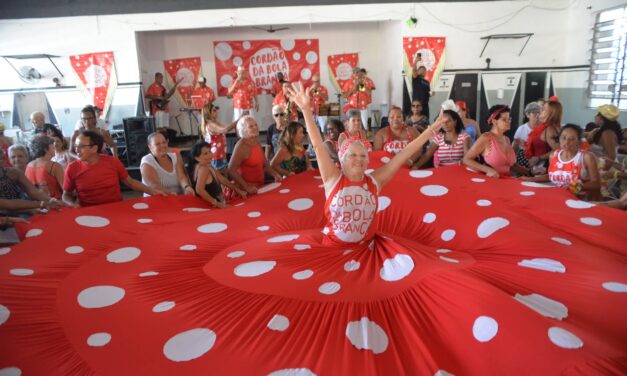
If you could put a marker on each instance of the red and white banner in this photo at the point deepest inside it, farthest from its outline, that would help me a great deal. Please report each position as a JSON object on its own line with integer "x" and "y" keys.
{"x": 185, "y": 70}
{"x": 96, "y": 77}
{"x": 341, "y": 68}
{"x": 432, "y": 53}
{"x": 298, "y": 59}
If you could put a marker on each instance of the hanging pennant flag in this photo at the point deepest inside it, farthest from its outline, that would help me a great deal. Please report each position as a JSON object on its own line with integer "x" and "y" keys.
{"x": 432, "y": 57}
{"x": 186, "y": 72}
{"x": 341, "y": 68}
{"x": 298, "y": 59}
{"x": 96, "y": 77}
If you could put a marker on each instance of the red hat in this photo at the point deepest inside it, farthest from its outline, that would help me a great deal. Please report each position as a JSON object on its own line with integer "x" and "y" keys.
{"x": 462, "y": 105}
{"x": 554, "y": 98}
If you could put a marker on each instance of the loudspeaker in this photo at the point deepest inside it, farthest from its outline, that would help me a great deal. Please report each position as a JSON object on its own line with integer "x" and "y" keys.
{"x": 136, "y": 131}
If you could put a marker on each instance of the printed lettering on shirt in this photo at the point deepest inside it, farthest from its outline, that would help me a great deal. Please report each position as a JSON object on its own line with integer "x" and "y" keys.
{"x": 352, "y": 211}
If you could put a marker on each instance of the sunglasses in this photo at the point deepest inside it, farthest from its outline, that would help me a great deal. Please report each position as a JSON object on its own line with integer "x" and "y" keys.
{"x": 281, "y": 114}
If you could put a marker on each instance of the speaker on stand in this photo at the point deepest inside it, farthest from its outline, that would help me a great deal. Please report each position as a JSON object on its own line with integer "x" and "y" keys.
{"x": 136, "y": 131}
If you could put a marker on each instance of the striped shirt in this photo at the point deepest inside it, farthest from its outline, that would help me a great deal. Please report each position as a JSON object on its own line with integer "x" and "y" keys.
{"x": 452, "y": 154}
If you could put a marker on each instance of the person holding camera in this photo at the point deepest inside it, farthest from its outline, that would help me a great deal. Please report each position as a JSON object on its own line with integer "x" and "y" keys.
{"x": 421, "y": 88}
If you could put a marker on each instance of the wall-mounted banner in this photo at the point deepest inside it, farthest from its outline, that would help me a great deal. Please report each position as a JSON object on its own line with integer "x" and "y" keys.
{"x": 96, "y": 77}
{"x": 432, "y": 54}
{"x": 298, "y": 59}
{"x": 341, "y": 68}
{"x": 186, "y": 72}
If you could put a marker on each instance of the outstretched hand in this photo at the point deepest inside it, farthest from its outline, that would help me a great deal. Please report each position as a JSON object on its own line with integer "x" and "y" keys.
{"x": 299, "y": 95}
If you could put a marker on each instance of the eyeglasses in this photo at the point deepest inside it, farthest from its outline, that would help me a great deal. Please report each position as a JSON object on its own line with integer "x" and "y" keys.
{"x": 281, "y": 114}
{"x": 80, "y": 146}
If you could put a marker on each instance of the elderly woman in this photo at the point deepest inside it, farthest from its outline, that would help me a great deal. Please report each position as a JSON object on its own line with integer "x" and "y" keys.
{"x": 396, "y": 136}
{"x": 450, "y": 145}
{"x": 532, "y": 111}
{"x": 291, "y": 157}
{"x": 470, "y": 125}
{"x": 606, "y": 139}
{"x": 494, "y": 147}
{"x": 248, "y": 162}
{"x": 332, "y": 133}
{"x": 18, "y": 154}
{"x": 417, "y": 119}
{"x": 354, "y": 128}
{"x": 162, "y": 169}
{"x": 351, "y": 179}
{"x": 544, "y": 137}
{"x": 61, "y": 155}
{"x": 46, "y": 175}
{"x": 214, "y": 133}
{"x": 571, "y": 167}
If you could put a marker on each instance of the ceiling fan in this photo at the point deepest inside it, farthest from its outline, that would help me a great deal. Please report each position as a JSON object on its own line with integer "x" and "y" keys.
{"x": 270, "y": 29}
{"x": 29, "y": 74}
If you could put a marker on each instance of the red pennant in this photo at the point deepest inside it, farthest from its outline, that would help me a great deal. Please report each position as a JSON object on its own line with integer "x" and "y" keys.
{"x": 95, "y": 71}
{"x": 185, "y": 70}
{"x": 341, "y": 68}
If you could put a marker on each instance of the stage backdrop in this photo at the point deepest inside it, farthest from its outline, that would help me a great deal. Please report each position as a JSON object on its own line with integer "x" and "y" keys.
{"x": 96, "y": 77}
{"x": 185, "y": 70}
{"x": 298, "y": 59}
{"x": 341, "y": 68}
{"x": 433, "y": 57}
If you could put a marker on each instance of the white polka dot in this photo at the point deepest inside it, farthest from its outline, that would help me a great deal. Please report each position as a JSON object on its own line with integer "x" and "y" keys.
{"x": 292, "y": 372}
{"x": 11, "y": 371}
{"x": 21, "y": 272}
{"x": 140, "y": 206}
{"x": 188, "y": 247}
{"x": 240, "y": 204}
{"x": 305, "y": 74}
{"x": 163, "y": 306}
{"x": 347, "y": 252}
{"x": 527, "y": 193}
{"x": 448, "y": 235}
{"x": 420, "y": 173}
{"x": 564, "y": 339}
{"x": 144, "y": 220}
{"x": 100, "y": 296}
{"x": 311, "y": 57}
{"x": 397, "y": 268}
{"x": 263, "y": 228}
{"x": 578, "y": 204}
{"x": 122, "y": 255}
{"x": 325, "y": 230}
{"x": 329, "y": 288}
{"x": 92, "y": 221}
{"x": 74, "y": 249}
{"x": 367, "y": 335}
{"x": 237, "y": 61}
{"x": 189, "y": 345}
{"x": 442, "y": 372}
{"x": 433, "y": 190}
{"x": 448, "y": 259}
{"x": 443, "y": 251}
{"x": 246, "y": 45}
{"x": 148, "y": 274}
{"x": 288, "y": 44}
{"x": 279, "y": 323}
{"x": 296, "y": 56}
{"x": 212, "y": 228}
{"x": 615, "y": 286}
{"x": 543, "y": 264}
{"x": 490, "y": 226}
{"x": 4, "y": 250}
{"x": 4, "y": 314}
{"x": 226, "y": 80}
{"x": 535, "y": 185}
{"x": 34, "y": 232}
{"x": 303, "y": 274}
{"x": 283, "y": 238}
{"x": 485, "y": 328}
{"x": 591, "y": 221}
{"x": 300, "y": 204}
{"x": 236, "y": 254}
{"x": 561, "y": 241}
{"x": 254, "y": 214}
{"x": 254, "y": 268}
{"x": 544, "y": 306}
{"x": 384, "y": 202}
{"x": 484, "y": 202}
{"x": 223, "y": 51}
{"x": 478, "y": 180}
{"x": 385, "y": 159}
{"x": 284, "y": 191}
{"x": 195, "y": 210}
{"x": 429, "y": 218}
{"x": 269, "y": 187}
{"x": 351, "y": 266}
{"x": 99, "y": 339}
{"x": 301, "y": 247}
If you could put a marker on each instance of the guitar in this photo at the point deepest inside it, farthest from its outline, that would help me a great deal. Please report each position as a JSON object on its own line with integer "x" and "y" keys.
{"x": 162, "y": 103}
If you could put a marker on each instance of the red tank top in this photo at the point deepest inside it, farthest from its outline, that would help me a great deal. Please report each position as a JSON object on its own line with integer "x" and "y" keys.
{"x": 562, "y": 173}
{"x": 43, "y": 180}
{"x": 251, "y": 168}
{"x": 350, "y": 210}
{"x": 394, "y": 146}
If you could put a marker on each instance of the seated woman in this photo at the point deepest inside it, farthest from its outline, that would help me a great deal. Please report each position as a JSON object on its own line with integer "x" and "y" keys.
{"x": 61, "y": 155}
{"x": 450, "y": 145}
{"x": 494, "y": 147}
{"x": 543, "y": 139}
{"x": 396, "y": 136}
{"x": 162, "y": 169}
{"x": 46, "y": 175}
{"x": 18, "y": 154}
{"x": 291, "y": 157}
{"x": 470, "y": 125}
{"x": 353, "y": 128}
{"x": 332, "y": 133}
{"x": 606, "y": 139}
{"x": 248, "y": 162}
{"x": 5, "y": 142}
{"x": 417, "y": 119}
{"x": 351, "y": 179}
{"x": 206, "y": 179}
{"x": 214, "y": 133}
{"x": 572, "y": 168}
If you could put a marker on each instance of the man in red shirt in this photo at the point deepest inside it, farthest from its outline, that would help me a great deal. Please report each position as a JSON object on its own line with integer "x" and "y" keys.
{"x": 277, "y": 86}
{"x": 319, "y": 96}
{"x": 281, "y": 99}
{"x": 244, "y": 94}
{"x": 159, "y": 98}
{"x": 203, "y": 94}
{"x": 94, "y": 179}
{"x": 358, "y": 90}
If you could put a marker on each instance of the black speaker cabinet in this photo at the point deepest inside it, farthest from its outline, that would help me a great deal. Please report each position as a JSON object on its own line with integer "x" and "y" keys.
{"x": 136, "y": 131}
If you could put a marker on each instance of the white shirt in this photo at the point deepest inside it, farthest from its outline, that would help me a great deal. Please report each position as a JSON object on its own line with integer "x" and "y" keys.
{"x": 168, "y": 180}
{"x": 522, "y": 133}
{"x": 99, "y": 124}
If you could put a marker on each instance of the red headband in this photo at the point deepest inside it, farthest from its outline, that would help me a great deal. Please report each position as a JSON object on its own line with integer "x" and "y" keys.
{"x": 496, "y": 113}
{"x": 348, "y": 142}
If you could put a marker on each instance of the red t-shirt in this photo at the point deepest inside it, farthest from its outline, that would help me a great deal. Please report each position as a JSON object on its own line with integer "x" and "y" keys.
{"x": 280, "y": 99}
{"x": 95, "y": 184}
{"x": 202, "y": 96}
{"x": 156, "y": 90}
{"x": 359, "y": 99}
{"x": 321, "y": 98}
{"x": 243, "y": 94}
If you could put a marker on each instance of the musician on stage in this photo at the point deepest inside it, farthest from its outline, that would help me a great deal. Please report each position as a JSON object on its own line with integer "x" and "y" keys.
{"x": 203, "y": 94}
{"x": 281, "y": 99}
{"x": 244, "y": 94}
{"x": 319, "y": 95}
{"x": 159, "y": 98}
{"x": 358, "y": 91}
